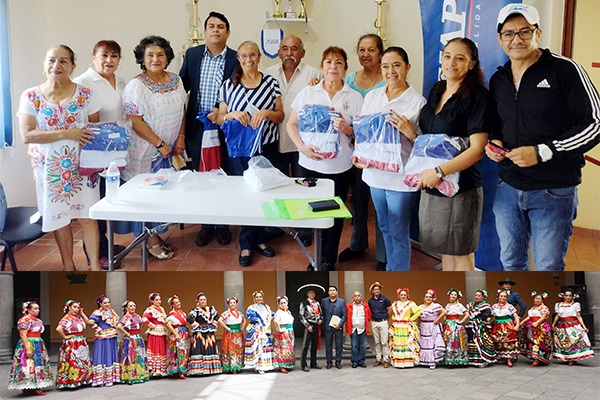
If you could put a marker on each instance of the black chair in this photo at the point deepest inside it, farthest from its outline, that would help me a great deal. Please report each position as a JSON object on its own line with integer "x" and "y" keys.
{"x": 18, "y": 229}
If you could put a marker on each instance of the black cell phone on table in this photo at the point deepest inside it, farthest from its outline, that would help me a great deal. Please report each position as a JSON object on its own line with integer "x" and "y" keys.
{"x": 323, "y": 205}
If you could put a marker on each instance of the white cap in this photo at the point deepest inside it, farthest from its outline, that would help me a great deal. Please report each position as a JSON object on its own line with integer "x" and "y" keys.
{"x": 529, "y": 12}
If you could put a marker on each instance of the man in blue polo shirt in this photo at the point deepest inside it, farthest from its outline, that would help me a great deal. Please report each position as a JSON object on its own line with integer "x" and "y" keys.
{"x": 381, "y": 308}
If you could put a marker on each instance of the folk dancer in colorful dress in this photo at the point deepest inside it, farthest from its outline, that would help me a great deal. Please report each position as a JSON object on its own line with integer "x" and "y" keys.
{"x": 259, "y": 345}
{"x": 74, "y": 359}
{"x": 455, "y": 335}
{"x": 480, "y": 345}
{"x": 431, "y": 339}
{"x": 232, "y": 343}
{"x": 30, "y": 371}
{"x": 283, "y": 337}
{"x": 179, "y": 340}
{"x": 536, "y": 340}
{"x": 405, "y": 348}
{"x": 204, "y": 353}
{"x": 106, "y": 369}
{"x": 505, "y": 330}
{"x": 571, "y": 342}
{"x": 156, "y": 351}
{"x": 132, "y": 351}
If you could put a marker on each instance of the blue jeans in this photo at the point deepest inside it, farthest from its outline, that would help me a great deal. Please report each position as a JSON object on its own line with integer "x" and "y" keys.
{"x": 394, "y": 210}
{"x": 330, "y": 335}
{"x": 545, "y": 216}
{"x": 358, "y": 344}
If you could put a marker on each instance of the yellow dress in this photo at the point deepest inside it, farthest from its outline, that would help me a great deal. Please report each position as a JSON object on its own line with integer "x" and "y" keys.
{"x": 404, "y": 343}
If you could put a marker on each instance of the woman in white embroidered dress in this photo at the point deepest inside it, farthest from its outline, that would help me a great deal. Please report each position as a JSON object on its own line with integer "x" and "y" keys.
{"x": 52, "y": 117}
{"x": 154, "y": 101}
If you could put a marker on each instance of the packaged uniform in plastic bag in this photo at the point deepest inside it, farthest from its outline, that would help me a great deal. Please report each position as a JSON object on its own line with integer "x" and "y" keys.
{"x": 378, "y": 143}
{"x": 110, "y": 143}
{"x": 210, "y": 153}
{"x": 261, "y": 175}
{"x": 242, "y": 141}
{"x": 315, "y": 124}
{"x": 432, "y": 150}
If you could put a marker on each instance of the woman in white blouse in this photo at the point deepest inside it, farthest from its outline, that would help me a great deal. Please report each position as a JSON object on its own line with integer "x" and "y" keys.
{"x": 335, "y": 94}
{"x": 107, "y": 90}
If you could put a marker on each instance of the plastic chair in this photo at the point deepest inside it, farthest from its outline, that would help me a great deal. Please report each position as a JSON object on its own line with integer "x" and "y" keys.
{"x": 18, "y": 229}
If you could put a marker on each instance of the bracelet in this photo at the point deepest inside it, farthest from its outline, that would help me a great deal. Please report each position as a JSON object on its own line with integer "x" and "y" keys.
{"x": 161, "y": 144}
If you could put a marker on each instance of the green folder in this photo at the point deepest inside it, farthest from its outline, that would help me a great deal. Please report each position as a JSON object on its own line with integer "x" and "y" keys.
{"x": 299, "y": 209}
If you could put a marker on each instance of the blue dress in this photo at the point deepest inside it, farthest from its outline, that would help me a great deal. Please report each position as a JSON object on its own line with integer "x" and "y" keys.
{"x": 106, "y": 369}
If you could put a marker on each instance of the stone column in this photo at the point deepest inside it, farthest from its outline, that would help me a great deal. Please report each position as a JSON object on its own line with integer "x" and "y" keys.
{"x": 116, "y": 289}
{"x": 592, "y": 281}
{"x": 233, "y": 286}
{"x": 473, "y": 280}
{"x": 280, "y": 283}
{"x": 353, "y": 281}
{"x": 7, "y": 305}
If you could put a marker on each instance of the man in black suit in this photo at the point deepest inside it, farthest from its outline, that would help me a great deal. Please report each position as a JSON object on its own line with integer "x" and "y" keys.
{"x": 513, "y": 297}
{"x": 331, "y": 306}
{"x": 203, "y": 71}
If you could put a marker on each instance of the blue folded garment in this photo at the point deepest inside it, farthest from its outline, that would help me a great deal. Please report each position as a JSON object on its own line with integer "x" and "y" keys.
{"x": 242, "y": 141}
{"x": 439, "y": 145}
{"x": 374, "y": 128}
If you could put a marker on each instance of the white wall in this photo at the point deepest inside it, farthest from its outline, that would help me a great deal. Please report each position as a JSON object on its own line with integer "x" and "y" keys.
{"x": 35, "y": 25}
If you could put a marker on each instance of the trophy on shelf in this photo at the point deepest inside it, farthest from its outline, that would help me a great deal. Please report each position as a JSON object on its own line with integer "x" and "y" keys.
{"x": 290, "y": 13}
{"x": 277, "y": 13}
{"x": 302, "y": 9}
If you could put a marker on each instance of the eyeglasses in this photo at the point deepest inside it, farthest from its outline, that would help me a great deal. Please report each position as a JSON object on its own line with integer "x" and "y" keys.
{"x": 249, "y": 55}
{"x": 524, "y": 34}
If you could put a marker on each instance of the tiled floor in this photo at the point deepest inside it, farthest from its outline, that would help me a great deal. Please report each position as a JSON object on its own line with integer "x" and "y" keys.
{"x": 42, "y": 255}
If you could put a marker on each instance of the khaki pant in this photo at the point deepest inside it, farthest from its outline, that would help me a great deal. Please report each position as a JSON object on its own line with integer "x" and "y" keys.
{"x": 381, "y": 337}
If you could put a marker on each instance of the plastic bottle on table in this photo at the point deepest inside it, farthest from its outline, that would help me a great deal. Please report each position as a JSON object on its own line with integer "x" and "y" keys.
{"x": 113, "y": 179}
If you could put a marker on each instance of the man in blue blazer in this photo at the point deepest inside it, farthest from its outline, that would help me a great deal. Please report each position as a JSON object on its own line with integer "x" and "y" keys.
{"x": 513, "y": 297}
{"x": 331, "y": 306}
{"x": 203, "y": 71}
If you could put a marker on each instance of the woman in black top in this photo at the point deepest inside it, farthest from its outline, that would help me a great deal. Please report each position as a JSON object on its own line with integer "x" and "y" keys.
{"x": 456, "y": 106}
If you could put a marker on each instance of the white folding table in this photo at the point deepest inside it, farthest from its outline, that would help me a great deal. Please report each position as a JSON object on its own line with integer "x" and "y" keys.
{"x": 205, "y": 199}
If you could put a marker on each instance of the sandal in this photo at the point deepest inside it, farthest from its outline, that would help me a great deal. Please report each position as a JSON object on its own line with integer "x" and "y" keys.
{"x": 509, "y": 363}
{"x": 159, "y": 252}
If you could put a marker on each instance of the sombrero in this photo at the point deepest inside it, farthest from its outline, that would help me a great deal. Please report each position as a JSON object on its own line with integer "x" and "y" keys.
{"x": 507, "y": 280}
{"x": 311, "y": 286}
{"x": 373, "y": 285}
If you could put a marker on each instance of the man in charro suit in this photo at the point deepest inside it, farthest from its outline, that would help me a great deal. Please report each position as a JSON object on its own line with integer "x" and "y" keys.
{"x": 311, "y": 316}
{"x": 513, "y": 297}
{"x": 203, "y": 71}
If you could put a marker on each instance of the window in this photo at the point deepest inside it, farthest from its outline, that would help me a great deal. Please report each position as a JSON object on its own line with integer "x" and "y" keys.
{"x": 6, "y": 133}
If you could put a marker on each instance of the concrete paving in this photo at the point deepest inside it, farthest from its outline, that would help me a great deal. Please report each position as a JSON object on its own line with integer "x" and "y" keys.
{"x": 556, "y": 381}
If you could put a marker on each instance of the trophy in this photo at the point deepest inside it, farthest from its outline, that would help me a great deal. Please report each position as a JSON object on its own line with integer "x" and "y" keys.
{"x": 290, "y": 13}
{"x": 277, "y": 13}
{"x": 302, "y": 9}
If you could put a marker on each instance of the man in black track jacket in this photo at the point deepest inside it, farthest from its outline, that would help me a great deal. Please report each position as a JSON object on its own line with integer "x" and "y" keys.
{"x": 547, "y": 116}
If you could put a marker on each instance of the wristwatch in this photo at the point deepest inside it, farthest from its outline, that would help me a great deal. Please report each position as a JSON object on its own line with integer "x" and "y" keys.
{"x": 438, "y": 172}
{"x": 161, "y": 144}
{"x": 543, "y": 152}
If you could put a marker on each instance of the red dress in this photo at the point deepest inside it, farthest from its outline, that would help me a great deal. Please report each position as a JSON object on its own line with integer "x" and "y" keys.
{"x": 156, "y": 350}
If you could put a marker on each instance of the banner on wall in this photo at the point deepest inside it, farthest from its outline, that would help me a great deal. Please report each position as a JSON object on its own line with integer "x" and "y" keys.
{"x": 443, "y": 20}
{"x": 270, "y": 40}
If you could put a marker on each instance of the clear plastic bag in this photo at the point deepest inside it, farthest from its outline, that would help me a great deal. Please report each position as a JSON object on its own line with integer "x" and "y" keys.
{"x": 110, "y": 143}
{"x": 315, "y": 123}
{"x": 262, "y": 176}
{"x": 430, "y": 151}
{"x": 378, "y": 143}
